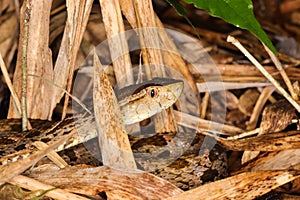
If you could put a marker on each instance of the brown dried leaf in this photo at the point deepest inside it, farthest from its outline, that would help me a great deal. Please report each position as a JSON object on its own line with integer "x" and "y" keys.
{"x": 266, "y": 142}
{"x": 231, "y": 100}
{"x": 38, "y": 60}
{"x": 247, "y": 101}
{"x": 248, "y": 185}
{"x": 277, "y": 116}
{"x": 113, "y": 140}
{"x": 117, "y": 184}
{"x": 38, "y": 189}
{"x": 280, "y": 160}
{"x": 118, "y": 47}
{"x": 78, "y": 14}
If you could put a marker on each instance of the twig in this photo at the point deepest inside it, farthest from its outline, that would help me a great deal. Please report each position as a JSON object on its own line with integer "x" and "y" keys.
{"x": 243, "y": 135}
{"x": 282, "y": 72}
{"x": 27, "y": 13}
{"x": 51, "y": 191}
{"x": 236, "y": 43}
{"x": 204, "y": 105}
{"x": 190, "y": 121}
{"x": 53, "y": 156}
{"x": 11, "y": 89}
{"x": 10, "y": 86}
{"x": 64, "y": 90}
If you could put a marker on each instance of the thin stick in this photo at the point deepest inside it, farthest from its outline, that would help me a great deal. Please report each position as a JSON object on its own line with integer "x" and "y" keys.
{"x": 49, "y": 190}
{"x": 204, "y": 105}
{"x": 243, "y": 135}
{"x": 282, "y": 72}
{"x": 27, "y": 13}
{"x": 263, "y": 97}
{"x": 190, "y": 121}
{"x": 68, "y": 93}
{"x": 10, "y": 86}
{"x": 53, "y": 156}
{"x": 236, "y": 43}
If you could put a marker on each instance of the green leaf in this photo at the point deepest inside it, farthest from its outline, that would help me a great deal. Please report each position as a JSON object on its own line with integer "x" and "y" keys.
{"x": 237, "y": 12}
{"x": 180, "y": 9}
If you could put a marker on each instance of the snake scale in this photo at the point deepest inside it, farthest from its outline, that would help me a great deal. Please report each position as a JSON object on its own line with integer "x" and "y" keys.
{"x": 160, "y": 153}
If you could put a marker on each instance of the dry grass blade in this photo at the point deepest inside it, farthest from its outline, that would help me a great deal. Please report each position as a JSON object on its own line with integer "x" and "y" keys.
{"x": 149, "y": 38}
{"x": 34, "y": 51}
{"x": 152, "y": 55}
{"x": 198, "y": 124}
{"x": 53, "y": 156}
{"x": 128, "y": 11}
{"x": 282, "y": 72}
{"x": 266, "y": 74}
{"x": 116, "y": 184}
{"x": 220, "y": 86}
{"x": 10, "y": 86}
{"x": 243, "y": 186}
{"x": 81, "y": 11}
{"x": 243, "y": 74}
{"x": 78, "y": 11}
{"x": 117, "y": 42}
{"x": 43, "y": 189}
{"x": 114, "y": 143}
{"x": 279, "y": 160}
{"x": 269, "y": 142}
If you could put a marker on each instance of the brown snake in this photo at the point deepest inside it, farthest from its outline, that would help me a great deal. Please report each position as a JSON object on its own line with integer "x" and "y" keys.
{"x": 141, "y": 101}
{"x": 185, "y": 169}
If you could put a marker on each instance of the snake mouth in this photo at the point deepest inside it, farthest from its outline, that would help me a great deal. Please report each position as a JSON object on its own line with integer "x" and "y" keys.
{"x": 177, "y": 88}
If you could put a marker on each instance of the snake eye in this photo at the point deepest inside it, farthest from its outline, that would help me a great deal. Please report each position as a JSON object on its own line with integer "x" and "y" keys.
{"x": 152, "y": 93}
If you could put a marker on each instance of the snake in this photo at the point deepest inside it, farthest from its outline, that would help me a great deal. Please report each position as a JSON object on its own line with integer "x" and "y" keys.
{"x": 141, "y": 101}
{"x": 137, "y": 102}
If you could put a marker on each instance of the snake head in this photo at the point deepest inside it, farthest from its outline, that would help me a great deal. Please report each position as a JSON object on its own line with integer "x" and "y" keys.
{"x": 149, "y": 98}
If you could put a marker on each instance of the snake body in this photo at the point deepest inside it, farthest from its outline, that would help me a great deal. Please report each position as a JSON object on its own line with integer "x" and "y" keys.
{"x": 188, "y": 169}
{"x": 137, "y": 102}
{"x": 185, "y": 169}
